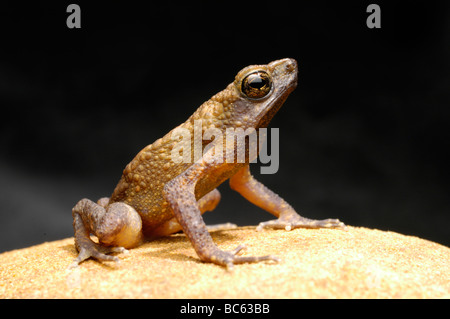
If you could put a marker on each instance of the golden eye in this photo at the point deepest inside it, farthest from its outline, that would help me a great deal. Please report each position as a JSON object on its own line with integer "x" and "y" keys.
{"x": 256, "y": 85}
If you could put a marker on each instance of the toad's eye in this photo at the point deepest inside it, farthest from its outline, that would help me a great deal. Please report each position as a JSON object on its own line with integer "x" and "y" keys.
{"x": 256, "y": 85}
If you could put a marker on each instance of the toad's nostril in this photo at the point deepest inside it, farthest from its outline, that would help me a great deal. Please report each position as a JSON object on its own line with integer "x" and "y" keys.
{"x": 290, "y": 67}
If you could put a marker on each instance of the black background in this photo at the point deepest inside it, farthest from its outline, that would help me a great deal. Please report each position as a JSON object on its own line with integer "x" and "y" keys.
{"x": 364, "y": 138}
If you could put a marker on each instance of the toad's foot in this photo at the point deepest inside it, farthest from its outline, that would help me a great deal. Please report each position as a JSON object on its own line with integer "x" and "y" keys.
{"x": 231, "y": 258}
{"x": 98, "y": 252}
{"x": 296, "y": 221}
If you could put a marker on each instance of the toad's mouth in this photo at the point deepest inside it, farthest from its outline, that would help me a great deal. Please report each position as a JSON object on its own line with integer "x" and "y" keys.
{"x": 276, "y": 104}
{"x": 287, "y": 71}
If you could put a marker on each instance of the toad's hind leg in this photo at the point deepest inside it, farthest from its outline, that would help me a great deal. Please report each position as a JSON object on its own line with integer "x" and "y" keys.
{"x": 205, "y": 204}
{"x": 116, "y": 226}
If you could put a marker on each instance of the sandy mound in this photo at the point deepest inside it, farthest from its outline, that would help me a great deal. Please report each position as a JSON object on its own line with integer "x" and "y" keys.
{"x": 315, "y": 263}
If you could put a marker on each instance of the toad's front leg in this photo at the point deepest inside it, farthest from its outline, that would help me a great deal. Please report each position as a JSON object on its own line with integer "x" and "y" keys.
{"x": 256, "y": 193}
{"x": 180, "y": 193}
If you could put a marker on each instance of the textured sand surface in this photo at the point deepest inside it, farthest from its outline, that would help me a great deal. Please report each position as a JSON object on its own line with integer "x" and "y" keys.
{"x": 315, "y": 263}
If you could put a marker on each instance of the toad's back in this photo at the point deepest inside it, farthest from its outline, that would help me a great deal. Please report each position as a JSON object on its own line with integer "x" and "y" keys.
{"x": 144, "y": 178}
